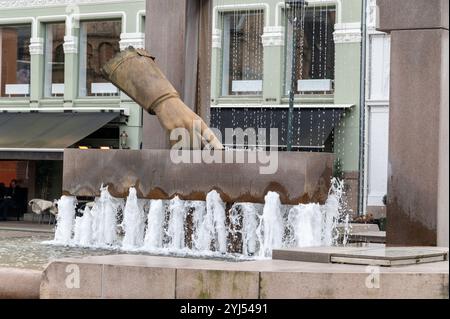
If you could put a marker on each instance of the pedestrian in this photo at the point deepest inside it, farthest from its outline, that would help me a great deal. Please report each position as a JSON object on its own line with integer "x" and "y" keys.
{"x": 2, "y": 200}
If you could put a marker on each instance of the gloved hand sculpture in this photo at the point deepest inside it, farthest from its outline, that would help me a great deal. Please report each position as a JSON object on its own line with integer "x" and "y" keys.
{"x": 135, "y": 72}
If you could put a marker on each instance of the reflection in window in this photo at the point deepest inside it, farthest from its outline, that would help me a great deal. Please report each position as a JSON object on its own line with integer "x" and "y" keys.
{"x": 15, "y": 60}
{"x": 99, "y": 42}
{"x": 54, "y": 59}
{"x": 310, "y": 38}
{"x": 242, "y": 72}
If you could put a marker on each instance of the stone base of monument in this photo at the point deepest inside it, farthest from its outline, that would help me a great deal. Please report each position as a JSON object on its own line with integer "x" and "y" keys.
{"x": 370, "y": 255}
{"x": 142, "y": 277}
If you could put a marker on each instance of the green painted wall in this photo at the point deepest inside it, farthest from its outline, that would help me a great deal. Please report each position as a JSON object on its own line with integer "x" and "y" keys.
{"x": 347, "y": 91}
{"x": 347, "y": 71}
{"x": 347, "y": 75}
{"x": 126, "y": 10}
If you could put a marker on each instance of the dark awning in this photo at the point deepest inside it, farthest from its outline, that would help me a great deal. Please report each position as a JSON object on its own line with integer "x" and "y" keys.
{"x": 46, "y": 133}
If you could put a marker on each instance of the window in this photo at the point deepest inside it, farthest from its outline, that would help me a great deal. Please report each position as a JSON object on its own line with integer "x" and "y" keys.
{"x": 99, "y": 42}
{"x": 242, "y": 69}
{"x": 15, "y": 60}
{"x": 54, "y": 60}
{"x": 310, "y": 42}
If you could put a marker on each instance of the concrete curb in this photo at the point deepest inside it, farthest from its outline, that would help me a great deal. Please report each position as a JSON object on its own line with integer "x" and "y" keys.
{"x": 16, "y": 283}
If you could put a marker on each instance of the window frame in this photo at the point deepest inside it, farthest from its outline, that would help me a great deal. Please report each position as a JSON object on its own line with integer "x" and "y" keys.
{"x": 82, "y": 59}
{"x": 17, "y": 96}
{"x": 224, "y": 50}
{"x": 48, "y": 86}
{"x": 286, "y": 74}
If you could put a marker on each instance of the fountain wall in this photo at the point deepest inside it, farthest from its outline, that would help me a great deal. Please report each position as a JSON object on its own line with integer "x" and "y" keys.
{"x": 299, "y": 178}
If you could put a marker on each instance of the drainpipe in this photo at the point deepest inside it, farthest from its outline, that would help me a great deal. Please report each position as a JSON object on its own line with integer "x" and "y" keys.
{"x": 362, "y": 113}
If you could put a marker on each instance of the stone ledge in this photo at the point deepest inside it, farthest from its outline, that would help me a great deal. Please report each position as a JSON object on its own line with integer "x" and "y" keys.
{"x": 16, "y": 283}
{"x": 364, "y": 254}
{"x": 138, "y": 276}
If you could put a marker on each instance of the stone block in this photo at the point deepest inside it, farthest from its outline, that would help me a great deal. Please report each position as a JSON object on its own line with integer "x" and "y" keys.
{"x": 60, "y": 280}
{"x": 138, "y": 282}
{"x": 364, "y": 285}
{"x": 217, "y": 284}
{"x": 18, "y": 283}
{"x": 300, "y": 177}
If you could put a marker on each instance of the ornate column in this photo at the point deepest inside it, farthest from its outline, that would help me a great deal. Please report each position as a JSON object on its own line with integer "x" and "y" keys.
{"x": 36, "y": 70}
{"x": 71, "y": 67}
{"x": 273, "y": 42}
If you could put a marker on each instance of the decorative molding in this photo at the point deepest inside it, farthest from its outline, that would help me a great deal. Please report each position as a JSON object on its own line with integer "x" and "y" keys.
{"x": 378, "y": 106}
{"x": 241, "y": 7}
{"x": 217, "y": 39}
{"x": 347, "y": 33}
{"x": 372, "y": 18}
{"x": 273, "y": 36}
{"x": 136, "y": 40}
{"x": 311, "y": 3}
{"x": 36, "y": 46}
{"x": 17, "y": 4}
{"x": 70, "y": 44}
{"x": 281, "y": 106}
{"x": 372, "y": 14}
{"x": 83, "y": 109}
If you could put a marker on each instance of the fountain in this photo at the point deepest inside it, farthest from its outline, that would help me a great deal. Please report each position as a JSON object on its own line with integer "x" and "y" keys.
{"x": 147, "y": 204}
{"x": 201, "y": 228}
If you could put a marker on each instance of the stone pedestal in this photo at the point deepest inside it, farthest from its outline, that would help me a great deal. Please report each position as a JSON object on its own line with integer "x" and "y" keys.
{"x": 418, "y": 183}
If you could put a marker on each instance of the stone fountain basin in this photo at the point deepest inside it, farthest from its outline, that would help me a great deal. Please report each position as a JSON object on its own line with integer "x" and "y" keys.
{"x": 300, "y": 177}
{"x": 142, "y": 277}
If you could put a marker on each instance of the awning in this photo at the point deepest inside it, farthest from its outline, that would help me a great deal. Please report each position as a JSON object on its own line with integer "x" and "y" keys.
{"x": 46, "y": 133}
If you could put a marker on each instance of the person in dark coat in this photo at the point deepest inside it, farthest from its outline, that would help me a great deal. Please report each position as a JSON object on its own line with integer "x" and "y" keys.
{"x": 11, "y": 200}
{"x": 2, "y": 199}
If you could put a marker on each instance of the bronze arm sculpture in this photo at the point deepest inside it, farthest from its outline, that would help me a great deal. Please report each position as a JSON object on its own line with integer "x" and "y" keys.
{"x": 135, "y": 72}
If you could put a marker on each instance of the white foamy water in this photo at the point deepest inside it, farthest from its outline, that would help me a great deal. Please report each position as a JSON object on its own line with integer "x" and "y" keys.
{"x": 197, "y": 228}
{"x": 155, "y": 221}
{"x": 65, "y": 219}
{"x": 307, "y": 225}
{"x": 85, "y": 228}
{"x": 104, "y": 224}
{"x": 215, "y": 208}
{"x": 133, "y": 222}
{"x": 175, "y": 229}
{"x": 271, "y": 226}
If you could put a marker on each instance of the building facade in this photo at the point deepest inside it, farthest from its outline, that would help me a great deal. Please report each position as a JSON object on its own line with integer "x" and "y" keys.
{"x": 52, "y": 93}
{"x": 263, "y": 51}
{"x": 265, "y": 56}
{"x": 377, "y": 114}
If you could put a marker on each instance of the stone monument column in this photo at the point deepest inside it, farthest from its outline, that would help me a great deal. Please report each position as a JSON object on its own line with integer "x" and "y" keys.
{"x": 178, "y": 34}
{"x": 418, "y": 182}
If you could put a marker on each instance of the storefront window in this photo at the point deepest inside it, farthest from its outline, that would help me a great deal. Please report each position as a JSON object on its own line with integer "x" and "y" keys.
{"x": 54, "y": 59}
{"x": 310, "y": 38}
{"x": 242, "y": 70}
{"x": 15, "y": 60}
{"x": 99, "y": 42}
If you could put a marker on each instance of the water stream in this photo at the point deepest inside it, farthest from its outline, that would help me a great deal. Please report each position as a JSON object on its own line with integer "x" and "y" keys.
{"x": 196, "y": 228}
